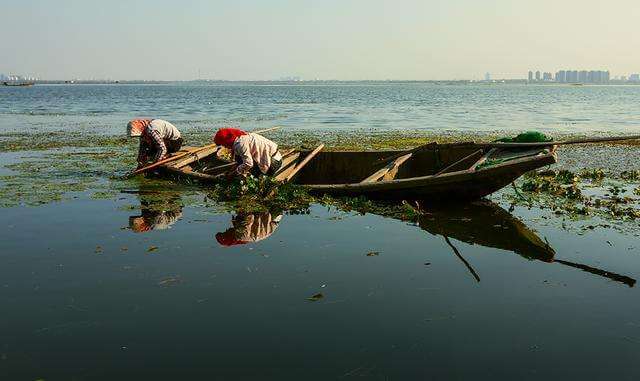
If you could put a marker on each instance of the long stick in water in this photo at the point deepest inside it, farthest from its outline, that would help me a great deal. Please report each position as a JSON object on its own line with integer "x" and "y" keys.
{"x": 521, "y": 145}
{"x": 457, "y": 253}
{"x": 565, "y": 142}
{"x": 178, "y": 156}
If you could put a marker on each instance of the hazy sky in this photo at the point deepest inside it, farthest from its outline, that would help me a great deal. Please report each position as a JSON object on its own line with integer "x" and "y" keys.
{"x": 326, "y": 39}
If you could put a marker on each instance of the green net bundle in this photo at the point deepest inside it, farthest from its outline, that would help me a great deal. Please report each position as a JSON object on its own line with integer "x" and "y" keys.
{"x": 527, "y": 137}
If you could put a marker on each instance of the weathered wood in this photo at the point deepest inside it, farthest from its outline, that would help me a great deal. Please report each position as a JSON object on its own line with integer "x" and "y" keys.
{"x": 468, "y": 157}
{"x": 195, "y": 156}
{"x": 391, "y": 167}
{"x": 174, "y": 156}
{"x": 287, "y": 176}
{"x": 192, "y": 174}
{"x": 458, "y": 185}
{"x": 288, "y": 160}
{"x": 483, "y": 159}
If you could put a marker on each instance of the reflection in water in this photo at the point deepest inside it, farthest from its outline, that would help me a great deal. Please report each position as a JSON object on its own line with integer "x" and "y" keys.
{"x": 158, "y": 211}
{"x": 249, "y": 227}
{"x": 480, "y": 223}
{"x": 487, "y": 224}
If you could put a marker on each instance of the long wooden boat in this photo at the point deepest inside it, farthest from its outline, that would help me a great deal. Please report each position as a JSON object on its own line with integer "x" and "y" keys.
{"x": 18, "y": 84}
{"x": 434, "y": 172}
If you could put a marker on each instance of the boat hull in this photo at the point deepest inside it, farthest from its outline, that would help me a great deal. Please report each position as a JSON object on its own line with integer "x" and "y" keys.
{"x": 463, "y": 185}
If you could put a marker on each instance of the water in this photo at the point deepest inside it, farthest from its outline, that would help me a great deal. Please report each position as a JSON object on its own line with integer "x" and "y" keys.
{"x": 382, "y": 106}
{"x": 138, "y": 286}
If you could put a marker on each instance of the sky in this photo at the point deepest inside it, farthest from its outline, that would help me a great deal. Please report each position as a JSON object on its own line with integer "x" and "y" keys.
{"x": 321, "y": 39}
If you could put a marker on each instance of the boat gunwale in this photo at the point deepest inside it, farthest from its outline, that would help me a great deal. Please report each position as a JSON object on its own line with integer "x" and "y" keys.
{"x": 411, "y": 181}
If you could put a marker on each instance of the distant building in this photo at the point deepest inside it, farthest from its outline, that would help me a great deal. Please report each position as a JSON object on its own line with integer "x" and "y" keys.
{"x": 572, "y": 76}
{"x": 583, "y": 76}
{"x": 538, "y": 75}
{"x": 634, "y": 78}
{"x": 547, "y": 77}
{"x": 487, "y": 76}
{"x": 530, "y": 76}
{"x": 561, "y": 76}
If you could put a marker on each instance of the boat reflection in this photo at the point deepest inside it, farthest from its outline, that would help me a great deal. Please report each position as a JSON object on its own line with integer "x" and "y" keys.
{"x": 486, "y": 224}
{"x": 481, "y": 223}
{"x": 249, "y": 227}
{"x": 158, "y": 211}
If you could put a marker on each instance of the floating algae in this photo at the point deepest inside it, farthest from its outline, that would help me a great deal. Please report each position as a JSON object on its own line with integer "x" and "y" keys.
{"x": 591, "y": 193}
{"x": 87, "y": 166}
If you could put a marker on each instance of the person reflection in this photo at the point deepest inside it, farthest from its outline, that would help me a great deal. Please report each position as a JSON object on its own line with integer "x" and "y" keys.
{"x": 249, "y": 227}
{"x": 158, "y": 211}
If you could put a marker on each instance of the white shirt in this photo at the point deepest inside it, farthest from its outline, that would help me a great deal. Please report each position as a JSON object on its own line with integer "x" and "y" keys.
{"x": 255, "y": 149}
{"x": 165, "y": 129}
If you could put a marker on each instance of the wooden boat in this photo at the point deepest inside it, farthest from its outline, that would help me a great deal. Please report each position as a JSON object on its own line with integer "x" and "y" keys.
{"x": 22, "y": 84}
{"x": 434, "y": 172}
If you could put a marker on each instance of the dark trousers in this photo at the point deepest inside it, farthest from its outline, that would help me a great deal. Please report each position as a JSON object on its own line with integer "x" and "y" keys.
{"x": 173, "y": 145}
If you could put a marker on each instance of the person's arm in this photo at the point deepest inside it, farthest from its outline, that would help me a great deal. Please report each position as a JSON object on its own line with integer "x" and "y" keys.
{"x": 242, "y": 151}
{"x": 158, "y": 142}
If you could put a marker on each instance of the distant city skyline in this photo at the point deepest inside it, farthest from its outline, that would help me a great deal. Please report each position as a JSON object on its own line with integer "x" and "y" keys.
{"x": 328, "y": 40}
{"x": 581, "y": 76}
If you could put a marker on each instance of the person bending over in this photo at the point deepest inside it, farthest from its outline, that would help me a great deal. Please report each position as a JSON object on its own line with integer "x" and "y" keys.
{"x": 158, "y": 138}
{"x": 254, "y": 154}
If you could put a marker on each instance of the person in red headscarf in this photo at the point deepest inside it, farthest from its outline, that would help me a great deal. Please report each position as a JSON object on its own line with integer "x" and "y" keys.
{"x": 254, "y": 154}
{"x": 158, "y": 138}
{"x": 248, "y": 228}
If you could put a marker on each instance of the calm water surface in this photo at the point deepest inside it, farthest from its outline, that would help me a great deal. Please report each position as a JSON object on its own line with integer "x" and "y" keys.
{"x": 347, "y": 106}
{"x": 134, "y": 288}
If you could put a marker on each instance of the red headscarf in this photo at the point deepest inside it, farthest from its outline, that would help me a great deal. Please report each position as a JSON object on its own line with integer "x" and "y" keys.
{"x": 226, "y": 136}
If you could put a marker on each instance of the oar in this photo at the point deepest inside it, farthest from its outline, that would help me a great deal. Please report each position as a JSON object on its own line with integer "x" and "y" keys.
{"x": 563, "y": 142}
{"x": 457, "y": 253}
{"x": 521, "y": 145}
{"x": 181, "y": 155}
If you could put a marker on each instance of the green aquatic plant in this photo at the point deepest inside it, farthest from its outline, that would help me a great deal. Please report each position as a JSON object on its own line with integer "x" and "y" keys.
{"x": 632, "y": 175}
{"x": 595, "y": 174}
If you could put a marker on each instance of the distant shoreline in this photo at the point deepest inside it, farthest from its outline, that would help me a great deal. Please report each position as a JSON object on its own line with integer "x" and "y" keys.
{"x": 327, "y": 82}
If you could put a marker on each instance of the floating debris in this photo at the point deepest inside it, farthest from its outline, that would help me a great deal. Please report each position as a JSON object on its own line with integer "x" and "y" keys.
{"x": 316, "y": 297}
{"x": 373, "y": 254}
{"x": 171, "y": 281}
{"x": 152, "y": 248}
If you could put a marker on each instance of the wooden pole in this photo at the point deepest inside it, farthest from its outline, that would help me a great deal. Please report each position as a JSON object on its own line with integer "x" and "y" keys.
{"x": 448, "y": 167}
{"x": 564, "y": 142}
{"x": 289, "y": 176}
{"x": 178, "y": 156}
{"x": 457, "y": 253}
